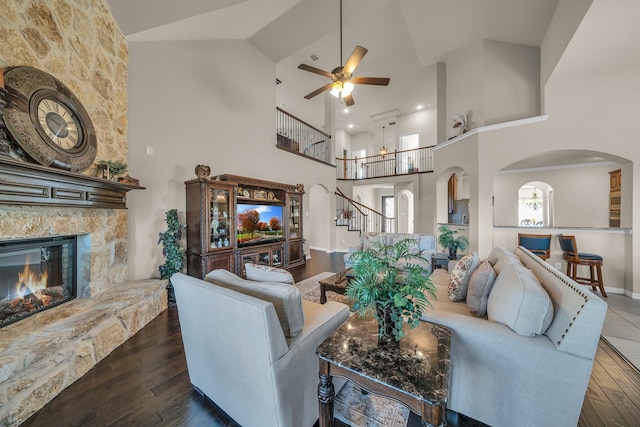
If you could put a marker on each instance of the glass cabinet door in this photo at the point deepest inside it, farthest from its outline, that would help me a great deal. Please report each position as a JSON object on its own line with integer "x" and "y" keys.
{"x": 221, "y": 225}
{"x": 295, "y": 217}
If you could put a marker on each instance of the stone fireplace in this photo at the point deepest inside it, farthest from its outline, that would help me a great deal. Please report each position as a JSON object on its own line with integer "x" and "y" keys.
{"x": 82, "y": 251}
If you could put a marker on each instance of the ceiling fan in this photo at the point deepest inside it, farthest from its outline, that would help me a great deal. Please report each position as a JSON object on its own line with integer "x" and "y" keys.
{"x": 342, "y": 79}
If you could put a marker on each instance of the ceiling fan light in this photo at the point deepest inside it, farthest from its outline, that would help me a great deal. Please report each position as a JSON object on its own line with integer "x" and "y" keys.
{"x": 336, "y": 88}
{"x": 347, "y": 88}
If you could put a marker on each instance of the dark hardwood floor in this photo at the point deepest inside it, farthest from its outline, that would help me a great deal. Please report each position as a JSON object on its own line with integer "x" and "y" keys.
{"x": 144, "y": 382}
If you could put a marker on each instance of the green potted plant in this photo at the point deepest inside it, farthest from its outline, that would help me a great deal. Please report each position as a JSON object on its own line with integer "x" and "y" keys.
{"x": 172, "y": 251}
{"x": 387, "y": 285}
{"x": 448, "y": 239}
{"x": 112, "y": 168}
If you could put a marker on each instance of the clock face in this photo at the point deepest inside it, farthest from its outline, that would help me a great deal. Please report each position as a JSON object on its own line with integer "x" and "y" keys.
{"x": 48, "y": 121}
{"x": 59, "y": 123}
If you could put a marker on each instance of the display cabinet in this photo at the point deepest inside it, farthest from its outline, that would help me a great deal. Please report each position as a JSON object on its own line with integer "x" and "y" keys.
{"x": 210, "y": 216}
{"x": 295, "y": 216}
{"x": 233, "y": 220}
{"x": 615, "y": 199}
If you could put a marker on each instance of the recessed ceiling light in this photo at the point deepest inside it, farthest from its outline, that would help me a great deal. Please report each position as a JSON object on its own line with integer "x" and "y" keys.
{"x": 419, "y": 107}
{"x": 346, "y": 110}
{"x": 350, "y": 125}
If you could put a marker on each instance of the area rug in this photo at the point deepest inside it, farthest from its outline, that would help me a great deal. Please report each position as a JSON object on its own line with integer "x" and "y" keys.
{"x": 351, "y": 405}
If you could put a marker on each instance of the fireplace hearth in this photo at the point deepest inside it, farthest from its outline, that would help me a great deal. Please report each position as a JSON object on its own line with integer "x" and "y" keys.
{"x": 36, "y": 275}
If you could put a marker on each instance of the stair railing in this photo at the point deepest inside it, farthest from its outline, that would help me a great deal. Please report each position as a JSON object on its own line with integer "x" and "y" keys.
{"x": 297, "y": 136}
{"x": 395, "y": 163}
{"x": 358, "y": 217}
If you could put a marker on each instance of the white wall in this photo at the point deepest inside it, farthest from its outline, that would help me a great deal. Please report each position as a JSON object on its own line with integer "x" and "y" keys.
{"x": 465, "y": 91}
{"x": 200, "y": 103}
{"x": 581, "y": 195}
{"x": 511, "y": 81}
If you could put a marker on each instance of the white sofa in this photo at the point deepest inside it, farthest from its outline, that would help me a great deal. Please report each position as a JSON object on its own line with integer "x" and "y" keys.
{"x": 505, "y": 379}
{"x": 238, "y": 353}
{"x": 426, "y": 245}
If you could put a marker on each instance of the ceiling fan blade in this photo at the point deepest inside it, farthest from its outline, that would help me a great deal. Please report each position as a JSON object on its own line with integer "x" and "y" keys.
{"x": 380, "y": 81}
{"x": 349, "y": 100}
{"x": 356, "y": 56}
{"x": 309, "y": 68}
{"x": 319, "y": 91}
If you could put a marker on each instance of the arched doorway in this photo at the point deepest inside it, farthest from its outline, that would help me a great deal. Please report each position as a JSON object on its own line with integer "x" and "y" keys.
{"x": 405, "y": 212}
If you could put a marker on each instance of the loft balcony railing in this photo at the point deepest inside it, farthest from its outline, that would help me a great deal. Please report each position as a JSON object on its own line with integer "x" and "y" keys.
{"x": 395, "y": 163}
{"x": 294, "y": 135}
{"x": 358, "y": 217}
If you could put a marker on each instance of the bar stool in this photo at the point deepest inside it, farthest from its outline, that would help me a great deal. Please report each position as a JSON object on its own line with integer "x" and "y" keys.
{"x": 538, "y": 244}
{"x": 575, "y": 258}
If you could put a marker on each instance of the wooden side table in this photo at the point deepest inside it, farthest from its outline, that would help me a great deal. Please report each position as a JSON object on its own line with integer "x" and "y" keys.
{"x": 441, "y": 260}
{"x": 414, "y": 371}
{"x": 336, "y": 283}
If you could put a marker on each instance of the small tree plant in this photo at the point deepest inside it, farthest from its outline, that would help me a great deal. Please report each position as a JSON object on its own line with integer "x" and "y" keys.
{"x": 172, "y": 250}
{"x": 449, "y": 240}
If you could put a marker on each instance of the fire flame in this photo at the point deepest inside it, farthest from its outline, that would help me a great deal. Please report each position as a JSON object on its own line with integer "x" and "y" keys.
{"x": 28, "y": 283}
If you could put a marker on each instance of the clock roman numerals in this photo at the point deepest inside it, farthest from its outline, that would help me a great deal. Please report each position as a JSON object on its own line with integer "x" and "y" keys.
{"x": 59, "y": 123}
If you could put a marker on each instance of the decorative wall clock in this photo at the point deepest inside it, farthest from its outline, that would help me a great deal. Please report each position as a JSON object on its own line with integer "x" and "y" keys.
{"x": 48, "y": 121}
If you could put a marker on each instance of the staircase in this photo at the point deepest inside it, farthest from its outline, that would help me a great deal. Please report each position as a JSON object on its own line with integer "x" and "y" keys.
{"x": 360, "y": 218}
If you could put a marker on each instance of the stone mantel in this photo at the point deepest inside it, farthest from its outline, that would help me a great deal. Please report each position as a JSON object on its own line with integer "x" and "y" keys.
{"x": 33, "y": 184}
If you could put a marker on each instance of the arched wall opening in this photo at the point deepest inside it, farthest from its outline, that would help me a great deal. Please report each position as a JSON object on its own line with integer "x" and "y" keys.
{"x": 535, "y": 204}
{"x": 405, "y": 212}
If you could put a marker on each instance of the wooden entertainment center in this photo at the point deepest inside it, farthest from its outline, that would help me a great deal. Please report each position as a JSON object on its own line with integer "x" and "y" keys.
{"x": 225, "y": 228}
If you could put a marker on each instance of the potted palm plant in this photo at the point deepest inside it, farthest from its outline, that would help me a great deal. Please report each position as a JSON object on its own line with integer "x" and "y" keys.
{"x": 448, "y": 239}
{"x": 172, "y": 251}
{"x": 387, "y": 285}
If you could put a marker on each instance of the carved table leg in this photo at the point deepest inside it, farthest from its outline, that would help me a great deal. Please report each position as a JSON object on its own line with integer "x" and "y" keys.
{"x": 326, "y": 393}
{"x": 323, "y": 293}
{"x": 434, "y": 415}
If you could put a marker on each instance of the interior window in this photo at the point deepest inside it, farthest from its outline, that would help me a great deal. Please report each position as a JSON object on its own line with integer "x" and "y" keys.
{"x": 534, "y": 205}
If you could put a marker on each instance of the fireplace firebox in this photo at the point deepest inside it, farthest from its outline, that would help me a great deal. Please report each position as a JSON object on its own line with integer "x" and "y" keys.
{"x": 35, "y": 275}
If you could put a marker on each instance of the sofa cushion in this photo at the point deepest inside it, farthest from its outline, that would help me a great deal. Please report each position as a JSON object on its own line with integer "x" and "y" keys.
{"x": 509, "y": 259}
{"x": 497, "y": 253}
{"x": 414, "y": 247}
{"x": 460, "y": 276}
{"x": 264, "y": 273}
{"x": 286, "y": 299}
{"x": 520, "y": 302}
{"x": 480, "y": 287}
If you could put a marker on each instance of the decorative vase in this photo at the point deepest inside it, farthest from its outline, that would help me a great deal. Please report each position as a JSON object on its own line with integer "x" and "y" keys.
{"x": 202, "y": 171}
{"x": 386, "y": 325}
{"x": 453, "y": 254}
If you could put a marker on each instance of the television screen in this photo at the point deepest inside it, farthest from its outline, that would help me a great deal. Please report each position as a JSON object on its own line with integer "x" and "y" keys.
{"x": 257, "y": 223}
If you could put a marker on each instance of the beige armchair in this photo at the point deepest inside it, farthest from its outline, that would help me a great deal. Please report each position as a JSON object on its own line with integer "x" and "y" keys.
{"x": 238, "y": 355}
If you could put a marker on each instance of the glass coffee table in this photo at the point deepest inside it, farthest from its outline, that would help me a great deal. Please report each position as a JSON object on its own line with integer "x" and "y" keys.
{"x": 414, "y": 372}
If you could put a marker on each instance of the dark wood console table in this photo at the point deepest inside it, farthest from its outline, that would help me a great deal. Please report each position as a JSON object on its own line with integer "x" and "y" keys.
{"x": 414, "y": 372}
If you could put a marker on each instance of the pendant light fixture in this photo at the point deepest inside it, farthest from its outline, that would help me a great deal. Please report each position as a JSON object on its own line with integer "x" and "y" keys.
{"x": 383, "y": 150}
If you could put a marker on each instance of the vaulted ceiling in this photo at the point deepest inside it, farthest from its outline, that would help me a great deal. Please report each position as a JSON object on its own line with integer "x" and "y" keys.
{"x": 405, "y": 39}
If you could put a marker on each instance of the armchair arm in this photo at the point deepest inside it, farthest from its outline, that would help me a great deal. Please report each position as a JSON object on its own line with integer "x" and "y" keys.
{"x": 297, "y": 370}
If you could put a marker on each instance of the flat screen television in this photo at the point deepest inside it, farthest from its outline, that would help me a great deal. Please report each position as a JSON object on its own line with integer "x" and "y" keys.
{"x": 258, "y": 223}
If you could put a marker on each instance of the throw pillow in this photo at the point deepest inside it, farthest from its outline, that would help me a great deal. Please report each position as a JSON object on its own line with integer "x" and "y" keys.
{"x": 264, "y": 273}
{"x": 460, "y": 276}
{"x": 286, "y": 299}
{"x": 414, "y": 247}
{"x": 520, "y": 302}
{"x": 480, "y": 287}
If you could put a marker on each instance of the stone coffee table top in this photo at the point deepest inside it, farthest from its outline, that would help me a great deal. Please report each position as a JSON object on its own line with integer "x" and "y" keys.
{"x": 418, "y": 365}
